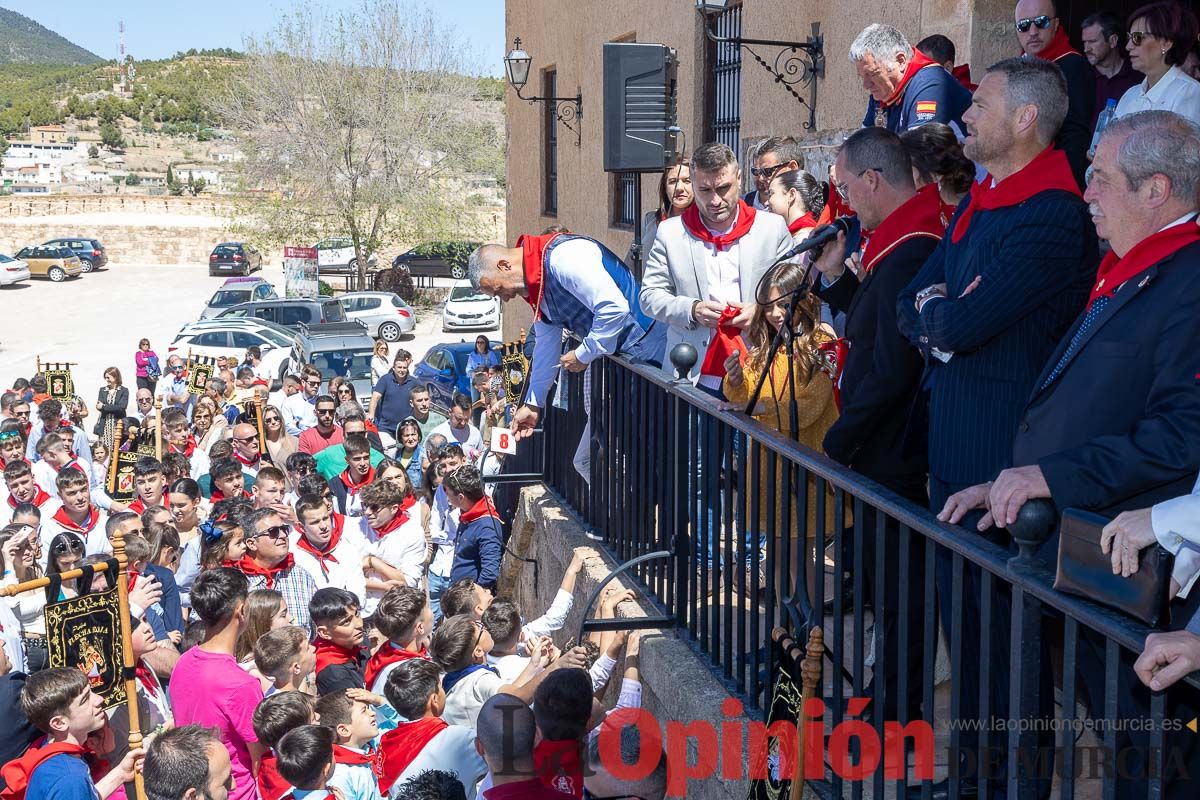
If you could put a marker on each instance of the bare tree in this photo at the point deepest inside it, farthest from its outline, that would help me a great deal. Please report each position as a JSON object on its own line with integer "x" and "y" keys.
{"x": 359, "y": 123}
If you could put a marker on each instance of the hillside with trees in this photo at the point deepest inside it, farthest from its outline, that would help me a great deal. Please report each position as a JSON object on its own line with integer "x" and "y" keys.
{"x": 23, "y": 41}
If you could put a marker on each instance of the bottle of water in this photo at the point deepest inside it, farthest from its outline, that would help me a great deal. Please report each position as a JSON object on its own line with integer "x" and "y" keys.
{"x": 1106, "y": 116}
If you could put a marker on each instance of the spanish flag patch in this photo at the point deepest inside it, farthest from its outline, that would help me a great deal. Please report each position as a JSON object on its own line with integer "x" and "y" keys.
{"x": 926, "y": 107}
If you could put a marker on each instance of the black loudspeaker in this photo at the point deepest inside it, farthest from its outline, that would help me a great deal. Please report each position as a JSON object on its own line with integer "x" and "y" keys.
{"x": 641, "y": 132}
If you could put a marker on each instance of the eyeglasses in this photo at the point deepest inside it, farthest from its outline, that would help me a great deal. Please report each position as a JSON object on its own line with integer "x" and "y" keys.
{"x": 145, "y": 400}
{"x": 304, "y": 469}
{"x": 176, "y": 368}
{"x": 766, "y": 172}
{"x": 1137, "y": 37}
{"x": 276, "y": 532}
{"x": 841, "y": 187}
{"x": 1041, "y": 23}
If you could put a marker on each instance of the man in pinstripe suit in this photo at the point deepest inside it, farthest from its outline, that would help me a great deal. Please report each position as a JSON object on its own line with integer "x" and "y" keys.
{"x": 988, "y": 308}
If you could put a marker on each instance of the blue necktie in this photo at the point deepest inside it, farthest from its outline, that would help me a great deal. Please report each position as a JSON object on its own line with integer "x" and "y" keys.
{"x": 1095, "y": 311}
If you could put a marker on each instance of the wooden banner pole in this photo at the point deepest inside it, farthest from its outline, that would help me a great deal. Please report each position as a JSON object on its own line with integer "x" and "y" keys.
{"x": 158, "y": 450}
{"x": 262, "y": 435}
{"x": 43, "y": 582}
{"x": 130, "y": 673}
{"x": 118, "y": 433}
{"x": 810, "y": 677}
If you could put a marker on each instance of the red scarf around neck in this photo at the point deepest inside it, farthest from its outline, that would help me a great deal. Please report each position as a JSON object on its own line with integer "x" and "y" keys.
{"x": 352, "y": 485}
{"x": 1115, "y": 270}
{"x": 249, "y": 462}
{"x": 93, "y": 517}
{"x": 918, "y": 62}
{"x": 482, "y": 508}
{"x": 1048, "y": 170}
{"x": 189, "y": 448}
{"x": 250, "y": 568}
{"x": 331, "y": 655}
{"x": 806, "y": 221}
{"x": 405, "y": 743}
{"x": 533, "y": 254}
{"x": 139, "y": 505}
{"x": 401, "y": 517}
{"x": 40, "y": 496}
{"x": 326, "y": 555}
{"x": 388, "y": 654}
{"x": 920, "y": 215}
{"x": 216, "y": 495}
{"x": 18, "y": 772}
{"x": 1058, "y": 47}
{"x": 694, "y": 224}
{"x": 271, "y": 785}
{"x": 559, "y": 765}
{"x": 348, "y": 756}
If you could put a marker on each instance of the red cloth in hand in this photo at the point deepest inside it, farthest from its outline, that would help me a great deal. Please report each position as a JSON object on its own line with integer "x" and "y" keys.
{"x": 725, "y": 341}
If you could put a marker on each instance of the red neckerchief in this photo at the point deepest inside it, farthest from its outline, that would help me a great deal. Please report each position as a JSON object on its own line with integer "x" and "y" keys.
{"x": 146, "y": 677}
{"x": 401, "y": 746}
{"x": 534, "y": 249}
{"x": 1047, "y": 171}
{"x": 920, "y": 215}
{"x": 388, "y": 654}
{"x": 216, "y": 495}
{"x": 962, "y": 74}
{"x": 249, "y": 462}
{"x": 352, "y": 486}
{"x": 919, "y": 62}
{"x": 722, "y": 241}
{"x": 482, "y": 508}
{"x": 40, "y": 496}
{"x": 138, "y": 506}
{"x": 188, "y": 449}
{"x": 271, "y": 785}
{"x": 250, "y": 567}
{"x": 326, "y": 555}
{"x": 93, "y": 517}
{"x": 559, "y": 765}
{"x": 1058, "y": 47}
{"x": 398, "y": 520}
{"x": 74, "y": 462}
{"x": 371, "y": 758}
{"x": 1115, "y": 270}
{"x": 806, "y": 221}
{"x": 18, "y": 772}
{"x": 331, "y": 655}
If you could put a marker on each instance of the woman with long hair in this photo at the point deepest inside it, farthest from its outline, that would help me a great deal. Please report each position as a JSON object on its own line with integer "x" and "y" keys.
{"x": 66, "y": 554}
{"x": 380, "y": 363}
{"x": 19, "y": 560}
{"x": 266, "y": 610}
{"x": 343, "y": 391}
{"x": 280, "y": 443}
{"x": 796, "y": 196}
{"x": 112, "y": 403}
{"x": 208, "y": 423}
{"x": 674, "y": 196}
{"x": 187, "y": 512}
{"x": 938, "y": 161}
{"x": 805, "y": 375}
{"x": 12, "y": 441}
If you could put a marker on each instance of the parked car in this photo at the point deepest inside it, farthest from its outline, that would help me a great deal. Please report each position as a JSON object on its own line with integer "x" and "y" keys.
{"x": 386, "y": 316}
{"x": 468, "y": 308}
{"x": 336, "y": 255}
{"x": 12, "y": 270}
{"x": 91, "y": 252}
{"x": 444, "y": 370}
{"x": 340, "y": 349}
{"x": 290, "y": 313}
{"x": 238, "y": 290}
{"x": 230, "y": 258}
{"x": 436, "y": 260}
{"x": 213, "y": 339}
{"x": 55, "y": 263}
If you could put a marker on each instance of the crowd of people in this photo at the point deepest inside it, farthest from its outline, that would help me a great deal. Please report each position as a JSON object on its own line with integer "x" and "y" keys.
{"x": 1005, "y": 313}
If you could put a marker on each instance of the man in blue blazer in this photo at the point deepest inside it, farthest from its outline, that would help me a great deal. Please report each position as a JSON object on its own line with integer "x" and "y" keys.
{"x": 1113, "y": 420}
{"x": 988, "y": 307}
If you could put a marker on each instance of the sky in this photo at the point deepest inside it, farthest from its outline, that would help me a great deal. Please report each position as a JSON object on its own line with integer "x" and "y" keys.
{"x": 154, "y": 29}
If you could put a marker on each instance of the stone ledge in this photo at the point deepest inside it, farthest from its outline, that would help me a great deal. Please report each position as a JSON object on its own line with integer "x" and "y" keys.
{"x": 676, "y": 684}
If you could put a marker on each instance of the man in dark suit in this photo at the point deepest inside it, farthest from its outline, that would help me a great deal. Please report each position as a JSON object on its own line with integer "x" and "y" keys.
{"x": 882, "y": 372}
{"x": 1113, "y": 421}
{"x": 988, "y": 306}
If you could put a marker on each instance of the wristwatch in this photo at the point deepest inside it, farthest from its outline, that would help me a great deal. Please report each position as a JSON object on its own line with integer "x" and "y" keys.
{"x": 927, "y": 293}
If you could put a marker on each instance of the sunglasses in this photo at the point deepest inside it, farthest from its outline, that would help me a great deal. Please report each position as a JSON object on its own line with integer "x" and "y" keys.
{"x": 71, "y": 545}
{"x": 24, "y": 413}
{"x": 766, "y": 172}
{"x": 343, "y": 390}
{"x": 1041, "y": 23}
{"x": 306, "y": 469}
{"x": 312, "y": 383}
{"x": 1137, "y": 37}
{"x": 6, "y": 435}
{"x": 276, "y": 532}
{"x": 324, "y": 412}
{"x": 145, "y": 400}
{"x": 274, "y": 419}
{"x": 251, "y": 438}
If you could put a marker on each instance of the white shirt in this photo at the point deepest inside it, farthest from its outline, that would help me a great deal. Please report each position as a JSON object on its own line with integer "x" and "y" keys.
{"x": 724, "y": 279}
{"x": 10, "y": 638}
{"x": 403, "y": 548}
{"x": 95, "y": 542}
{"x": 469, "y": 438}
{"x": 579, "y": 268}
{"x": 465, "y": 700}
{"x": 1176, "y": 525}
{"x": 1175, "y": 91}
{"x": 299, "y": 413}
{"x": 443, "y": 529}
{"x": 345, "y": 573}
{"x": 356, "y": 781}
{"x": 452, "y": 750}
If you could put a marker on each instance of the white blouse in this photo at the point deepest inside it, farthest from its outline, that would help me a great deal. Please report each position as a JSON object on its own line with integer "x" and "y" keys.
{"x": 1176, "y": 91}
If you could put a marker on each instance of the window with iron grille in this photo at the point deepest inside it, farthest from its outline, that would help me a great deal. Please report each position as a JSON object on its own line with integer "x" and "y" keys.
{"x": 624, "y": 199}
{"x": 725, "y": 88}
{"x": 550, "y": 145}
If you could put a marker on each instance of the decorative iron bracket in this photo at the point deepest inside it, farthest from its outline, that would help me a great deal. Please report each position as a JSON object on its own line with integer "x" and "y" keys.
{"x": 795, "y": 64}
{"x": 567, "y": 110}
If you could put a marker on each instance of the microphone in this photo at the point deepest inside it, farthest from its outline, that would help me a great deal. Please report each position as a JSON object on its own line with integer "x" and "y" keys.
{"x": 820, "y": 237}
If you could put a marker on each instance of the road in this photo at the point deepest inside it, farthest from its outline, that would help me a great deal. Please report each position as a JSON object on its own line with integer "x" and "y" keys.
{"x": 96, "y": 320}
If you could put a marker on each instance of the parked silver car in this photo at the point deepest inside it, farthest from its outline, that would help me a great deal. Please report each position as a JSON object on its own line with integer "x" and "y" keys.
{"x": 384, "y": 314}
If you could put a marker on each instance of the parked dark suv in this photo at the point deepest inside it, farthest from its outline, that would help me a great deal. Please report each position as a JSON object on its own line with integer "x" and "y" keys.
{"x": 436, "y": 260}
{"x": 290, "y": 313}
{"x": 234, "y": 258}
{"x": 91, "y": 252}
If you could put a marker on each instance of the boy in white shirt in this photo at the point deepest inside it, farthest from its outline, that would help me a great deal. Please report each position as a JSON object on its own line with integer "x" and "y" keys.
{"x": 332, "y": 554}
{"x": 392, "y": 529}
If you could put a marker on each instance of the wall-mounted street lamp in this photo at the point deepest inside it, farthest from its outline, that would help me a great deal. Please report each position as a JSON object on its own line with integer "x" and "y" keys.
{"x": 567, "y": 110}
{"x": 796, "y": 63}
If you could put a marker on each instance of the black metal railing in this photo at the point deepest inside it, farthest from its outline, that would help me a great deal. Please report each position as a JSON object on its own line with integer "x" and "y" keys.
{"x": 671, "y": 471}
